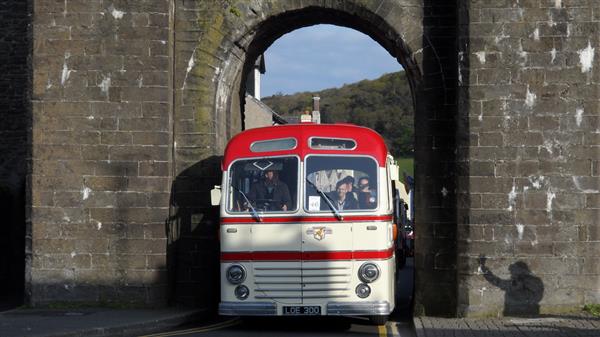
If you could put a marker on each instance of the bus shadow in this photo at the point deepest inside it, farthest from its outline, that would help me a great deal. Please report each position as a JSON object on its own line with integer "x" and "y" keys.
{"x": 404, "y": 292}
{"x": 301, "y": 324}
{"x": 192, "y": 233}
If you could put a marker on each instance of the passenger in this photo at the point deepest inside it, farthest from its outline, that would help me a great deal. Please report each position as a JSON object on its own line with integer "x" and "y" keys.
{"x": 341, "y": 198}
{"x": 349, "y": 182}
{"x": 270, "y": 194}
{"x": 367, "y": 198}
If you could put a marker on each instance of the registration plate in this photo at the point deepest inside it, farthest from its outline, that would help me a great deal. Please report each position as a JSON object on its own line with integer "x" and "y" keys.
{"x": 302, "y": 310}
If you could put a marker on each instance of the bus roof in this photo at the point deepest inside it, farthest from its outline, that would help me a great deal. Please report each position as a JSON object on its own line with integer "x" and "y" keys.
{"x": 367, "y": 141}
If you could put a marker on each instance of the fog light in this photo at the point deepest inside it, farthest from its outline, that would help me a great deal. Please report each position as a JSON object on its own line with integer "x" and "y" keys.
{"x": 241, "y": 292}
{"x": 363, "y": 290}
{"x": 368, "y": 272}
{"x": 235, "y": 274}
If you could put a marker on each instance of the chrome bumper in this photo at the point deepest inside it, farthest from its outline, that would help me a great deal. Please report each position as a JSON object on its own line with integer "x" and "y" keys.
{"x": 358, "y": 308}
{"x": 247, "y": 309}
{"x": 333, "y": 308}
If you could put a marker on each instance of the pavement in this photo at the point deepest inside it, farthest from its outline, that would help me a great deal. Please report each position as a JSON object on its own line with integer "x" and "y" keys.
{"x": 546, "y": 326}
{"x": 92, "y": 322}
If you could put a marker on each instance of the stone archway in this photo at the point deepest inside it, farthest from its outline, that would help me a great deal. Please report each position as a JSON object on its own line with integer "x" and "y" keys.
{"x": 214, "y": 46}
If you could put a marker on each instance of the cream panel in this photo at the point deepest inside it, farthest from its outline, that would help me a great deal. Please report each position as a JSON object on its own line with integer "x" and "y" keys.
{"x": 236, "y": 238}
{"x": 276, "y": 237}
{"x": 372, "y": 235}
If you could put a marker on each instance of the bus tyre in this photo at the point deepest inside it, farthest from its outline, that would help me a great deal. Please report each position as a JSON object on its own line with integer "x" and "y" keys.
{"x": 378, "y": 319}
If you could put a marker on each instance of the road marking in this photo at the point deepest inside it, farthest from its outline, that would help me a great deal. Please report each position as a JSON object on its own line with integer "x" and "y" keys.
{"x": 207, "y": 328}
{"x": 382, "y": 330}
{"x": 400, "y": 329}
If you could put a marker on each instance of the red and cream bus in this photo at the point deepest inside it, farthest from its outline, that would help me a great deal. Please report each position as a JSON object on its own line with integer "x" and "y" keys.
{"x": 306, "y": 222}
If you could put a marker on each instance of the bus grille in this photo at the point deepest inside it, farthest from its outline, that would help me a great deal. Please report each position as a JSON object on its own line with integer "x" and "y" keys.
{"x": 306, "y": 281}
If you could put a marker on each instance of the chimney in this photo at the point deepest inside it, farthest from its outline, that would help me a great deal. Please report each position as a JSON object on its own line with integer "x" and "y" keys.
{"x": 316, "y": 115}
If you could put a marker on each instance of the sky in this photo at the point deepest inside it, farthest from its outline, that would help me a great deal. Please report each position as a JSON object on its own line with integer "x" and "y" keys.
{"x": 323, "y": 56}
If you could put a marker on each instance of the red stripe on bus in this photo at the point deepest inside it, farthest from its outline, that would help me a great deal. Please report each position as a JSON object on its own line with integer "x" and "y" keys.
{"x": 308, "y": 256}
{"x": 307, "y": 219}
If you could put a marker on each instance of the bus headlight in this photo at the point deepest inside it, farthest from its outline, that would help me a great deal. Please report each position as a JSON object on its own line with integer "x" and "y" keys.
{"x": 241, "y": 292}
{"x": 235, "y": 274}
{"x": 363, "y": 290}
{"x": 368, "y": 272}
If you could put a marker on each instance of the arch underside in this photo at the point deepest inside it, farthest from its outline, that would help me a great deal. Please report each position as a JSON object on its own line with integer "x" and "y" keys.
{"x": 216, "y": 52}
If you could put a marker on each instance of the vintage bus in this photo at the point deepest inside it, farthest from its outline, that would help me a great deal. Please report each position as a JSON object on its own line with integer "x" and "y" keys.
{"x": 306, "y": 222}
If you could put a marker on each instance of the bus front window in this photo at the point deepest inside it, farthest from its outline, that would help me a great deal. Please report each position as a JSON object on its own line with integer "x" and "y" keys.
{"x": 263, "y": 185}
{"x": 344, "y": 182}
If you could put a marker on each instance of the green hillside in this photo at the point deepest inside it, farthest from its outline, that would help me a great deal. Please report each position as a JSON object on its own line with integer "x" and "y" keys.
{"x": 384, "y": 104}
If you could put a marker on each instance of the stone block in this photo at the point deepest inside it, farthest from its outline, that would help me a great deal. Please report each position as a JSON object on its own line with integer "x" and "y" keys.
{"x": 67, "y": 199}
{"x": 154, "y": 168}
{"x": 490, "y": 217}
{"x": 106, "y": 183}
{"x": 494, "y": 201}
{"x": 154, "y": 231}
{"x": 156, "y": 261}
{"x": 139, "y": 153}
{"x": 95, "y": 152}
{"x": 149, "y": 184}
{"x": 491, "y": 139}
{"x": 47, "y": 183}
{"x": 138, "y": 246}
{"x": 52, "y": 6}
{"x": 131, "y": 199}
{"x": 135, "y": 231}
{"x": 57, "y": 152}
{"x": 155, "y": 78}
{"x": 116, "y": 138}
{"x": 116, "y": 109}
{"x": 143, "y": 124}
{"x": 159, "y": 199}
{"x": 129, "y": 48}
{"x": 159, "y": 48}
{"x": 141, "y": 19}
{"x": 592, "y": 200}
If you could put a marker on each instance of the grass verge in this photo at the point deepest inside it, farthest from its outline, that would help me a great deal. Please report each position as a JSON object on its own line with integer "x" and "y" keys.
{"x": 593, "y": 309}
{"x": 406, "y": 165}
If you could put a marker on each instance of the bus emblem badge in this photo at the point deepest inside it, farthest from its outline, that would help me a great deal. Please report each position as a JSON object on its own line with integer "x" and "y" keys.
{"x": 319, "y": 232}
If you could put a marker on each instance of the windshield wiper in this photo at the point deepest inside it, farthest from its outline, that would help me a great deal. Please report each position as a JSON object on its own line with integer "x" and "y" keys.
{"x": 254, "y": 212}
{"x": 327, "y": 199}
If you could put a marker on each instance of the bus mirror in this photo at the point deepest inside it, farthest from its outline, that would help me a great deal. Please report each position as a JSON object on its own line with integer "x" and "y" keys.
{"x": 394, "y": 172}
{"x": 215, "y": 196}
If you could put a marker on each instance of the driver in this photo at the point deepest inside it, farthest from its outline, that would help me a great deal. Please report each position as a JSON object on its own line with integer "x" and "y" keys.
{"x": 270, "y": 194}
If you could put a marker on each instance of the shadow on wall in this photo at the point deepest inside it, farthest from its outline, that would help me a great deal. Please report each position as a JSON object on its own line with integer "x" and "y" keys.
{"x": 522, "y": 292}
{"x": 436, "y": 170}
{"x": 14, "y": 122}
{"x": 12, "y": 242}
{"x": 192, "y": 233}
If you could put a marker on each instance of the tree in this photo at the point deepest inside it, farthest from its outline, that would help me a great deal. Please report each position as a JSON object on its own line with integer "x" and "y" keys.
{"x": 384, "y": 104}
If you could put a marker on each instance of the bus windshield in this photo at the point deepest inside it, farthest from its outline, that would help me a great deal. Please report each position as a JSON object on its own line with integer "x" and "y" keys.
{"x": 263, "y": 185}
{"x": 349, "y": 183}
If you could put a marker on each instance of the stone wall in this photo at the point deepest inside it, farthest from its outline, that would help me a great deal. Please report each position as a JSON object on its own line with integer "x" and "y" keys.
{"x": 530, "y": 186}
{"x": 133, "y": 102}
{"x": 101, "y": 142}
